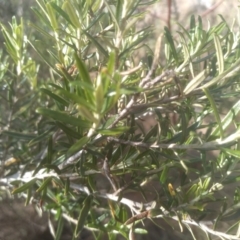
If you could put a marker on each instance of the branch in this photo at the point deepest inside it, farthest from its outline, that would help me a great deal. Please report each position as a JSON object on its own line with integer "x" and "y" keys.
{"x": 124, "y": 112}
{"x": 204, "y": 146}
{"x": 148, "y": 82}
{"x": 142, "y": 210}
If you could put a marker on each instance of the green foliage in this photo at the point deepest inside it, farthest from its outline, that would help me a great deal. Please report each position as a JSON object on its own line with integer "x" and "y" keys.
{"x": 72, "y": 118}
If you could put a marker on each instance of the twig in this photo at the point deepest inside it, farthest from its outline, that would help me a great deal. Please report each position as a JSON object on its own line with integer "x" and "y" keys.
{"x": 211, "y": 231}
{"x": 155, "y": 62}
{"x": 134, "y": 206}
{"x": 71, "y": 160}
{"x": 107, "y": 173}
{"x": 124, "y": 112}
{"x": 130, "y": 71}
{"x": 139, "y": 216}
{"x": 147, "y": 83}
{"x": 204, "y": 146}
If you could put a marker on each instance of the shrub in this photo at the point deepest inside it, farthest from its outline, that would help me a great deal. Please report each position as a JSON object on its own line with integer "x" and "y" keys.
{"x": 75, "y": 119}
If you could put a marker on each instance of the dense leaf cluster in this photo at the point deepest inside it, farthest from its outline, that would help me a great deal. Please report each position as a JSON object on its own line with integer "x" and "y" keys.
{"x": 75, "y": 136}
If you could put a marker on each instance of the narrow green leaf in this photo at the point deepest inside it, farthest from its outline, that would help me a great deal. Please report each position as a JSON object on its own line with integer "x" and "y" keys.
{"x": 135, "y": 44}
{"x": 192, "y": 192}
{"x": 184, "y": 125}
{"x": 84, "y": 85}
{"x": 73, "y": 46}
{"x": 71, "y": 12}
{"x": 40, "y": 16}
{"x": 133, "y": 5}
{"x": 151, "y": 133}
{"x": 63, "y": 71}
{"x": 61, "y": 12}
{"x": 63, "y": 117}
{"x": 53, "y": 167}
{"x": 97, "y": 44}
{"x": 44, "y": 185}
{"x": 83, "y": 71}
{"x": 111, "y": 63}
{"x": 19, "y": 135}
{"x": 206, "y": 183}
{"x": 119, "y": 10}
{"x": 45, "y": 59}
{"x": 52, "y": 16}
{"x": 217, "y": 29}
{"x": 192, "y": 23}
{"x": 42, "y": 5}
{"x": 170, "y": 42}
{"x": 112, "y": 15}
{"x": 11, "y": 45}
{"x": 55, "y": 97}
{"x": 199, "y": 29}
{"x": 40, "y": 137}
{"x": 91, "y": 183}
{"x": 113, "y": 131}
{"x": 77, "y": 99}
{"x": 24, "y": 187}
{"x": 164, "y": 175}
{"x": 85, "y": 77}
{"x": 83, "y": 215}
{"x": 78, "y": 145}
{"x": 227, "y": 120}
{"x": 88, "y": 114}
{"x": 232, "y": 152}
{"x": 94, "y": 20}
{"x": 185, "y": 32}
{"x": 233, "y": 69}
{"x": 50, "y": 150}
{"x": 195, "y": 82}
{"x": 59, "y": 227}
{"x": 215, "y": 111}
{"x": 219, "y": 54}
{"x": 230, "y": 42}
{"x": 67, "y": 187}
{"x": 185, "y": 50}
{"x": 29, "y": 196}
{"x": 99, "y": 94}
{"x": 71, "y": 132}
{"x": 82, "y": 161}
